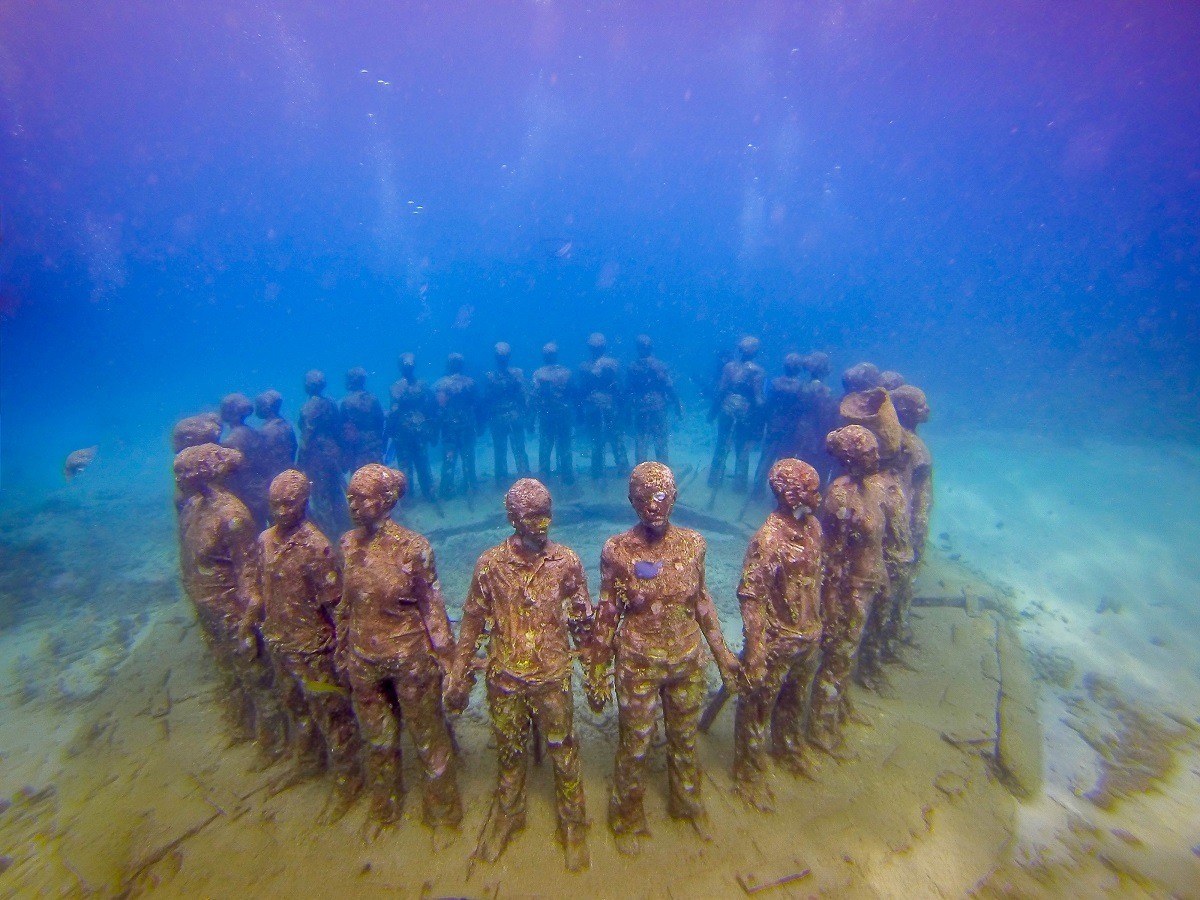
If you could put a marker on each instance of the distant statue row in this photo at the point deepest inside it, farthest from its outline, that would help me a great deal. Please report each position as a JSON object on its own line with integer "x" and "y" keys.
{"x": 788, "y": 416}
{"x": 330, "y": 651}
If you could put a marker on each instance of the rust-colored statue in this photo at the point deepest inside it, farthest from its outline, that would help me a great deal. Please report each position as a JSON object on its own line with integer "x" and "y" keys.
{"x": 393, "y": 646}
{"x": 412, "y": 425}
{"x": 654, "y": 610}
{"x": 785, "y": 398}
{"x": 780, "y": 595}
{"x": 218, "y": 563}
{"x": 506, "y": 399}
{"x": 737, "y": 409}
{"x": 861, "y": 377}
{"x": 915, "y": 467}
{"x": 362, "y": 423}
{"x": 553, "y": 401}
{"x": 852, "y": 518}
{"x": 652, "y": 393}
{"x": 300, "y": 587}
{"x": 602, "y": 403}
{"x": 193, "y": 431}
{"x": 458, "y": 414}
{"x": 248, "y": 481}
{"x": 277, "y": 435}
{"x": 320, "y": 456}
{"x": 529, "y": 600}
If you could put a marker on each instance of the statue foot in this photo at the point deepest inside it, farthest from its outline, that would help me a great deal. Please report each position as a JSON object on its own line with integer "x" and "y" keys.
{"x": 629, "y": 843}
{"x": 496, "y": 835}
{"x": 444, "y": 836}
{"x": 344, "y": 796}
{"x": 701, "y": 826}
{"x": 574, "y": 841}
{"x": 756, "y": 794}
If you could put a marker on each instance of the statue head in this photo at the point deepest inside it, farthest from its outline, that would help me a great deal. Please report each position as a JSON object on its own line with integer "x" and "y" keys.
{"x": 528, "y": 506}
{"x": 861, "y": 377}
{"x": 549, "y": 353}
{"x": 235, "y": 408}
{"x": 314, "y": 382}
{"x": 288, "y": 498}
{"x": 748, "y": 347}
{"x": 644, "y": 345}
{"x": 652, "y": 494}
{"x": 911, "y": 406}
{"x": 795, "y": 484}
{"x": 373, "y": 493}
{"x": 356, "y": 379}
{"x": 792, "y": 364}
{"x": 455, "y": 363}
{"x": 193, "y": 431}
{"x": 205, "y": 464}
{"x": 268, "y": 404}
{"x": 855, "y": 447}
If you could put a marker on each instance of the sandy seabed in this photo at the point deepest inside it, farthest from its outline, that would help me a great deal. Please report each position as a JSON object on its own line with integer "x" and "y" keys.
{"x": 1041, "y": 738}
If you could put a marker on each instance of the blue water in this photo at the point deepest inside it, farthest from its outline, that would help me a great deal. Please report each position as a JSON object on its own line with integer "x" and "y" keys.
{"x": 999, "y": 199}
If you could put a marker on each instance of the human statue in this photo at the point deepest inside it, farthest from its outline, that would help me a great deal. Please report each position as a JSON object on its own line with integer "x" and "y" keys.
{"x": 506, "y": 400}
{"x": 459, "y": 413}
{"x": 860, "y": 377}
{"x": 852, "y": 518}
{"x": 603, "y": 406}
{"x": 529, "y": 602}
{"x": 217, "y": 560}
{"x": 737, "y": 408}
{"x": 320, "y": 455}
{"x": 412, "y": 425}
{"x": 362, "y": 423}
{"x": 276, "y": 433}
{"x": 395, "y": 642}
{"x": 248, "y": 481}
{"x": 651, "y": 391}
{"x": 192, "y": 431}
{"x": 553, "y": 389}
{"x": 295, "y": 612}
{"x": 915, "y": 466}
{"x": 780, "y": 596}
{"x": 783, "y": 409}
{"x": 818, "y": 414}
{"x": 654, "y": 611}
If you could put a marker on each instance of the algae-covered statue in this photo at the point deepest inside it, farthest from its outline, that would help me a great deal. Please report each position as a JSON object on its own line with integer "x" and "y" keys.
{"x": 459, "y": 413}
{"x": 217, "y": 559}
{"x": 362, "y": 423}
{"x": 277, "y": 434}
{"x": 783, "y": 410}
{"x": 506, "y": 399}
{"x": 654, "y": 611}
{"x": 553, "y": 390}
{"x": 603, "y": 406}
{"x": 320, "y": 455}
{"x": 529, "y": 601}
{"x": 248, "y": 481}
{"x": 915, "y": 467}
{"x": 412, "y": 425}
{"x": 394, "y": 644}
{"x": 780, "y": 596}
{"x": 652, "y": 394}
{"x": 192, "y": 431}
{"x": 737, "y": 408}
{"x": 295, "y": 612}
{"x": 852, "y": 518}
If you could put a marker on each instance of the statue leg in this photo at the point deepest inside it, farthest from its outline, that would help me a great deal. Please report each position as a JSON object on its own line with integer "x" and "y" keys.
{"x": 419, "y": 691}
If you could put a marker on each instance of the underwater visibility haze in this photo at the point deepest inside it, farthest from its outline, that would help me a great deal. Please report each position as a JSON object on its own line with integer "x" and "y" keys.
{"x": 998, "y": 203}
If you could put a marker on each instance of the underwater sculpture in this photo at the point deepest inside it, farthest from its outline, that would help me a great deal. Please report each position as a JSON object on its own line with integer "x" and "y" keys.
{"x": 780, "y": 597}
{"x": 193, "y": 431}
{"x": 861, "y": 377}
{"x": 783, "y": 411}
{"x": 737, "y": 409}
{"x": 915, "y": 466}
{"x": 459, "y": 414}
{"x": 217, "y": 561}
{"x": 651, "y": 393}
{"x": 552, "y": 393}
{"x": 412, "y": 425}
{"x": 295, "y": 612}
{"x": 362, "y": 423}
{"x": 506, "y": 399}
{"x": 276, "y": 433}
{"x": 529, "y": 601}
{"x": 852, "y": 519}
{"x": 602, "y": 405}
{"x": 654, "y": 609}
{"x": 320, "y": 456}
{"x": 248, "y": 481}
{"x": 874, "y": 410}
{"x": 818, "y": 413}
{"x": 395, "y": 643}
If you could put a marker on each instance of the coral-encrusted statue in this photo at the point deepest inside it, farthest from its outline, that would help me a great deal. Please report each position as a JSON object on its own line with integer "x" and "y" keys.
{"x": 218, "y": 563}
{"x": 780, "y": 595}
{"x": 652, "y": 394}
{"x": 506, "y": 399}
{"x": 553, "y": 390}
{"x": 852, "y": 517}
{"x": 300, "y": 587}
{"x": 193, "y": 431}
{"x": 320, "y": 456}
{"x": 277, "y": 435}
{"x": 362, "y": 423}
{"x": 412, "y": 425}
{"x": 459, "y": 414}
{"x": 393, "y": 646}
{"x": 248, "y": 481}
{"x": 654, "y": 611}
{"x": 737, "y": 409}
{"x": 529, "y": 600}
{"x": 602, "y": 402}
{"x": 915, "y": 467}
{"x": 783, "y": 412}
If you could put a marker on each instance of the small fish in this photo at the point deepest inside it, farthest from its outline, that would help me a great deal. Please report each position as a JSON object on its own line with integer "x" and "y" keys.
{"x": 78, "y": 461}
{"x": 324, "y": 687}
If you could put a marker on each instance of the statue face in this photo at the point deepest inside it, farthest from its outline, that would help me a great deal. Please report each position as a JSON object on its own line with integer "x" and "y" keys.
{"x": 288, "y": 511}
{"x": 367, "y": 507}
{"x": 532, "y": 526}
{"x": 653, "y": 506}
